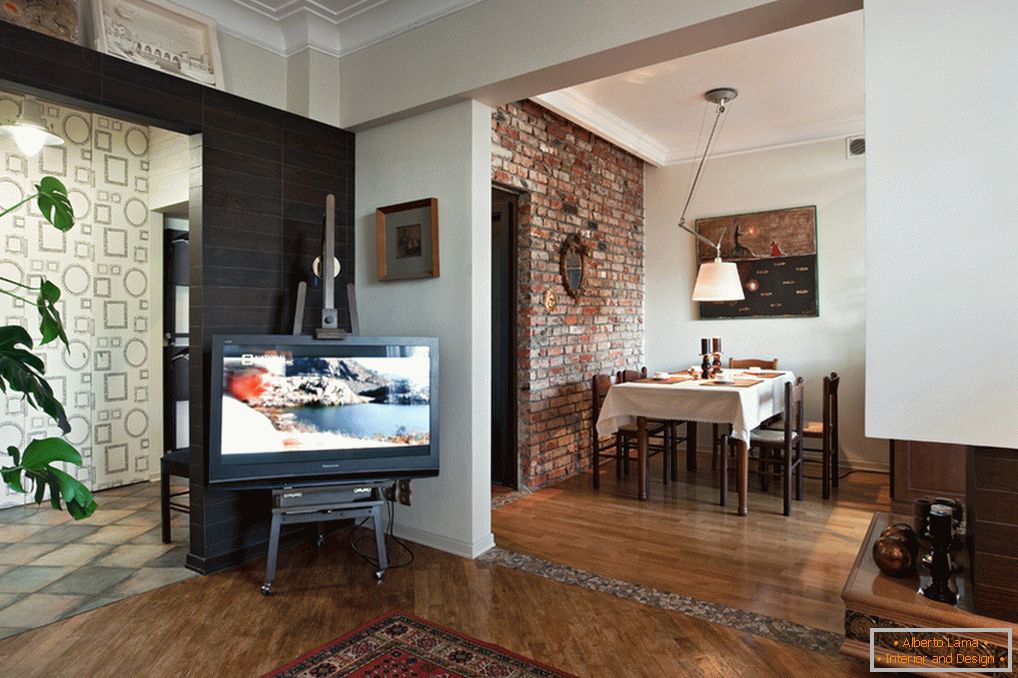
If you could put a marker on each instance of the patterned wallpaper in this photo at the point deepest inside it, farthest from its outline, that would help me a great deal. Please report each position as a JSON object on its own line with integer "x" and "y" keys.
{"x": 103, "y": 267}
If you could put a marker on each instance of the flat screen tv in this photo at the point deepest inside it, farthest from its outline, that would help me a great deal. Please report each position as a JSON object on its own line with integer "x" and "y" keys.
{"x": 285, "y": 409}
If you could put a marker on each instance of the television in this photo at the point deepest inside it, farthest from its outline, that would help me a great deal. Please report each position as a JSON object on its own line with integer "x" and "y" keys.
{"x": 286, "y": 409}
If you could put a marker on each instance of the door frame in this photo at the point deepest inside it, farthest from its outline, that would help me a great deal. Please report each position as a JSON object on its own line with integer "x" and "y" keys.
{"x": 512, "y": 466}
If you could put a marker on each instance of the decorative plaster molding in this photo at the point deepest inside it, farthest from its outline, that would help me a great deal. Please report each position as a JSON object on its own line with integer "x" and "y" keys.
{"x": 306, "y": 24}
{"x": 589, "y": 114}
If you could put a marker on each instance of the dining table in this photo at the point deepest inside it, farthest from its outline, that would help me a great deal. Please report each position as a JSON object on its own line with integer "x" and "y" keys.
{"x": 743, "y": 399}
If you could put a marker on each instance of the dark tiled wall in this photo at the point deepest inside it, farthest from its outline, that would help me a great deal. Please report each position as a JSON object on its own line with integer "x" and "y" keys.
{"x": 259, "y": 180}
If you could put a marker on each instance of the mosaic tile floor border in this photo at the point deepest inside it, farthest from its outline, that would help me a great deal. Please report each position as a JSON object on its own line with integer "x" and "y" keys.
{"x": 500, "y": 500}
{"x": 810, "y": 638}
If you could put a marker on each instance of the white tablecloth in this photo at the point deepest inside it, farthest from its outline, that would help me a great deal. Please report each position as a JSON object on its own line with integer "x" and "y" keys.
{"x": 742, "y": 407}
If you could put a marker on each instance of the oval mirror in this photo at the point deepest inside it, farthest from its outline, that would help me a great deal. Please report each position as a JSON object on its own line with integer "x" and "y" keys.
{"x": 573, "y": 265}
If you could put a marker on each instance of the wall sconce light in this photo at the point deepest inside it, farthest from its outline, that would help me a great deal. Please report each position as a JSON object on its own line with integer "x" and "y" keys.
{"x": 30, "y": 130}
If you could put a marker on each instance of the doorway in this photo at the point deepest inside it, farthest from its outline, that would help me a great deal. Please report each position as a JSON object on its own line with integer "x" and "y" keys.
{"x": 504, "y": 218}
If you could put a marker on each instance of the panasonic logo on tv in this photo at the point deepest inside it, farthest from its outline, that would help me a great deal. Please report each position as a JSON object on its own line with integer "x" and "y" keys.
{"x": 330, "y": 465}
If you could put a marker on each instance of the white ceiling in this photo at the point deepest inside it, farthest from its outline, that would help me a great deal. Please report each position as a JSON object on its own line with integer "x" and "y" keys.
{"x": 335, "y": 27}
{"x": 797, "y": 85}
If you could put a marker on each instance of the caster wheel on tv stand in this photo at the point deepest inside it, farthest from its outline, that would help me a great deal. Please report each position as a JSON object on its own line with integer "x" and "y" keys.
{"x": 320, "y": 541}
{"x": 379, "y": 574}
{"x": 266, "y": 589}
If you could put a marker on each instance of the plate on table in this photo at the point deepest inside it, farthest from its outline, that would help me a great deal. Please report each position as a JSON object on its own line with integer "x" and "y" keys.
{"x": 738, "y": 383}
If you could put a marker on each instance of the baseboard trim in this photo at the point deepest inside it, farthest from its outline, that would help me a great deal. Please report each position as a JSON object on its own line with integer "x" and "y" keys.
{"x": 442, "y": 543}
{"x": 845, "y": 463}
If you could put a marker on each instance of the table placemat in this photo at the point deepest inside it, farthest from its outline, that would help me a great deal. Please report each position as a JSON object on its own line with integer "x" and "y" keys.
{"x": 737, "y": 383}
{"x": 669, "y": 380}
{"x": 762, "y": 375}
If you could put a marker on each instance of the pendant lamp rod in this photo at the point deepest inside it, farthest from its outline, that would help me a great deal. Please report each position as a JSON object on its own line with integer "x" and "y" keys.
{"x": 721, "y": 96}
{"x": 715, "y": 245}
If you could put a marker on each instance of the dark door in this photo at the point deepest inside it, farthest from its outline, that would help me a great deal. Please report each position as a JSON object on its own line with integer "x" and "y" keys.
{"x": 503, "y": 338}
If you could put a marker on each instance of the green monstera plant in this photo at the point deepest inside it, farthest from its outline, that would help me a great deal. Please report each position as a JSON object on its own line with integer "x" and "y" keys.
{"x": 24, "y": 372}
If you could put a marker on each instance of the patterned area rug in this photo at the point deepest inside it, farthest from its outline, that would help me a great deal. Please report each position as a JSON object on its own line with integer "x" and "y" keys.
{"x": 401, "y": 645}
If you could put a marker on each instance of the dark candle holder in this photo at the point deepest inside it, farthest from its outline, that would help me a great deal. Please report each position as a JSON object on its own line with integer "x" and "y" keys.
{"x": 705, "y": 367}
{"x": 716, "y": 365}
{"x": 941, "y": 525}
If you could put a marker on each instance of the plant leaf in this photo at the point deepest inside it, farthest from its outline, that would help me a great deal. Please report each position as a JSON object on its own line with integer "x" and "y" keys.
{"x": 37, "y": 457}
{"x": 50, "y": 324}
{"x": 12, "y": 335}
{"x": 80, "y": 503}
{"x": 23, "y": 371}
{"x": 54, "y": 203}
{"x": 81, "y": 510}
{"x": 12, "y": 477}
{"x": 49, "y": 292}
{"x": 54, "y": 493}
{"x": 42, "y": 452}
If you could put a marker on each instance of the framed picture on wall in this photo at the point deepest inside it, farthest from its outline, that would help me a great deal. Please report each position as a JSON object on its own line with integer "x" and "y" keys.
{"x": 160, "y": 35}
{"x": 58, "y": 18}
{"x": 407, "y": 239}
{"x": 776, "y": 252}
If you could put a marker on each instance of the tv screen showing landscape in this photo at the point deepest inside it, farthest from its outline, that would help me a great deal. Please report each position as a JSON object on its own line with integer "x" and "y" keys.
{"x": 292, "y": 407}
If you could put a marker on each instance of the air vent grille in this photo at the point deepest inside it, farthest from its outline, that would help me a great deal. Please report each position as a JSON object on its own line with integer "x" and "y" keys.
{"x": 855, "y": 146}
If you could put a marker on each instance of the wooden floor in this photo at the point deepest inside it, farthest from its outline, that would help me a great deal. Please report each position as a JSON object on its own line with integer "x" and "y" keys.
{"x": 221, "y": 626}
{"x": 682, "y": 541}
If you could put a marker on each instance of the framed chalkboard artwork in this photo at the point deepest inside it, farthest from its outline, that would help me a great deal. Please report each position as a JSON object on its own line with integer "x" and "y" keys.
{"x": 776, "y": 252}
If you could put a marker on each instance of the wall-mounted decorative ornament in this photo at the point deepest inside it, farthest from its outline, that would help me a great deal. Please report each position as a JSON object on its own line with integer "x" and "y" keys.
{"x": 550, "y": 300}
{"x": 573, "y": 265}
{"x": 56, "y": 18}
{"x": 160, "y": 35}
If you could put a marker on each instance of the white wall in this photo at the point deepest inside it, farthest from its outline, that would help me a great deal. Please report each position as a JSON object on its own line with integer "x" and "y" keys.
{"x": 444, "y": 154}
{"x": 253, "y": 72}
{"x": 942, "y": 171}
{"x": 812, "y": 174}
{"x": 312, "y": 85}
{"x": 168, "y": 171}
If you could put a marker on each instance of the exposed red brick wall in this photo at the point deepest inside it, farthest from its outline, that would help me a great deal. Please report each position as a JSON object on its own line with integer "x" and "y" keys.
{"x": 573, "y": 182}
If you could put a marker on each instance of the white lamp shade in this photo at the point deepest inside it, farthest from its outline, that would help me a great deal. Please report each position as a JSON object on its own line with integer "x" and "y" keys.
{"x": 718, "y": 281}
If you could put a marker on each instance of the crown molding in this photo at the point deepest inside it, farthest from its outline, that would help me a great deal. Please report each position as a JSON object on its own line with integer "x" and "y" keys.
{"x": 578, "y": 108}
{"x": 299, "y": 25}
{"x": 762, "y": 140}
{"x": 590, "y": 115}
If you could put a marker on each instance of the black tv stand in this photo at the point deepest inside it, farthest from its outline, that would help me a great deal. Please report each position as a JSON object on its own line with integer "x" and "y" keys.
{"x": 321, "y": 504}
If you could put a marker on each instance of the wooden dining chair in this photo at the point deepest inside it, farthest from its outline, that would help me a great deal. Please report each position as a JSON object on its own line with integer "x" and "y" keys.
{"x": 827, "y": 431}
{"x": 737, "y": 364}
{"x": 657, "y": 438}
{"x": 782, "y": 449}
{"x": 670, "y": 466}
